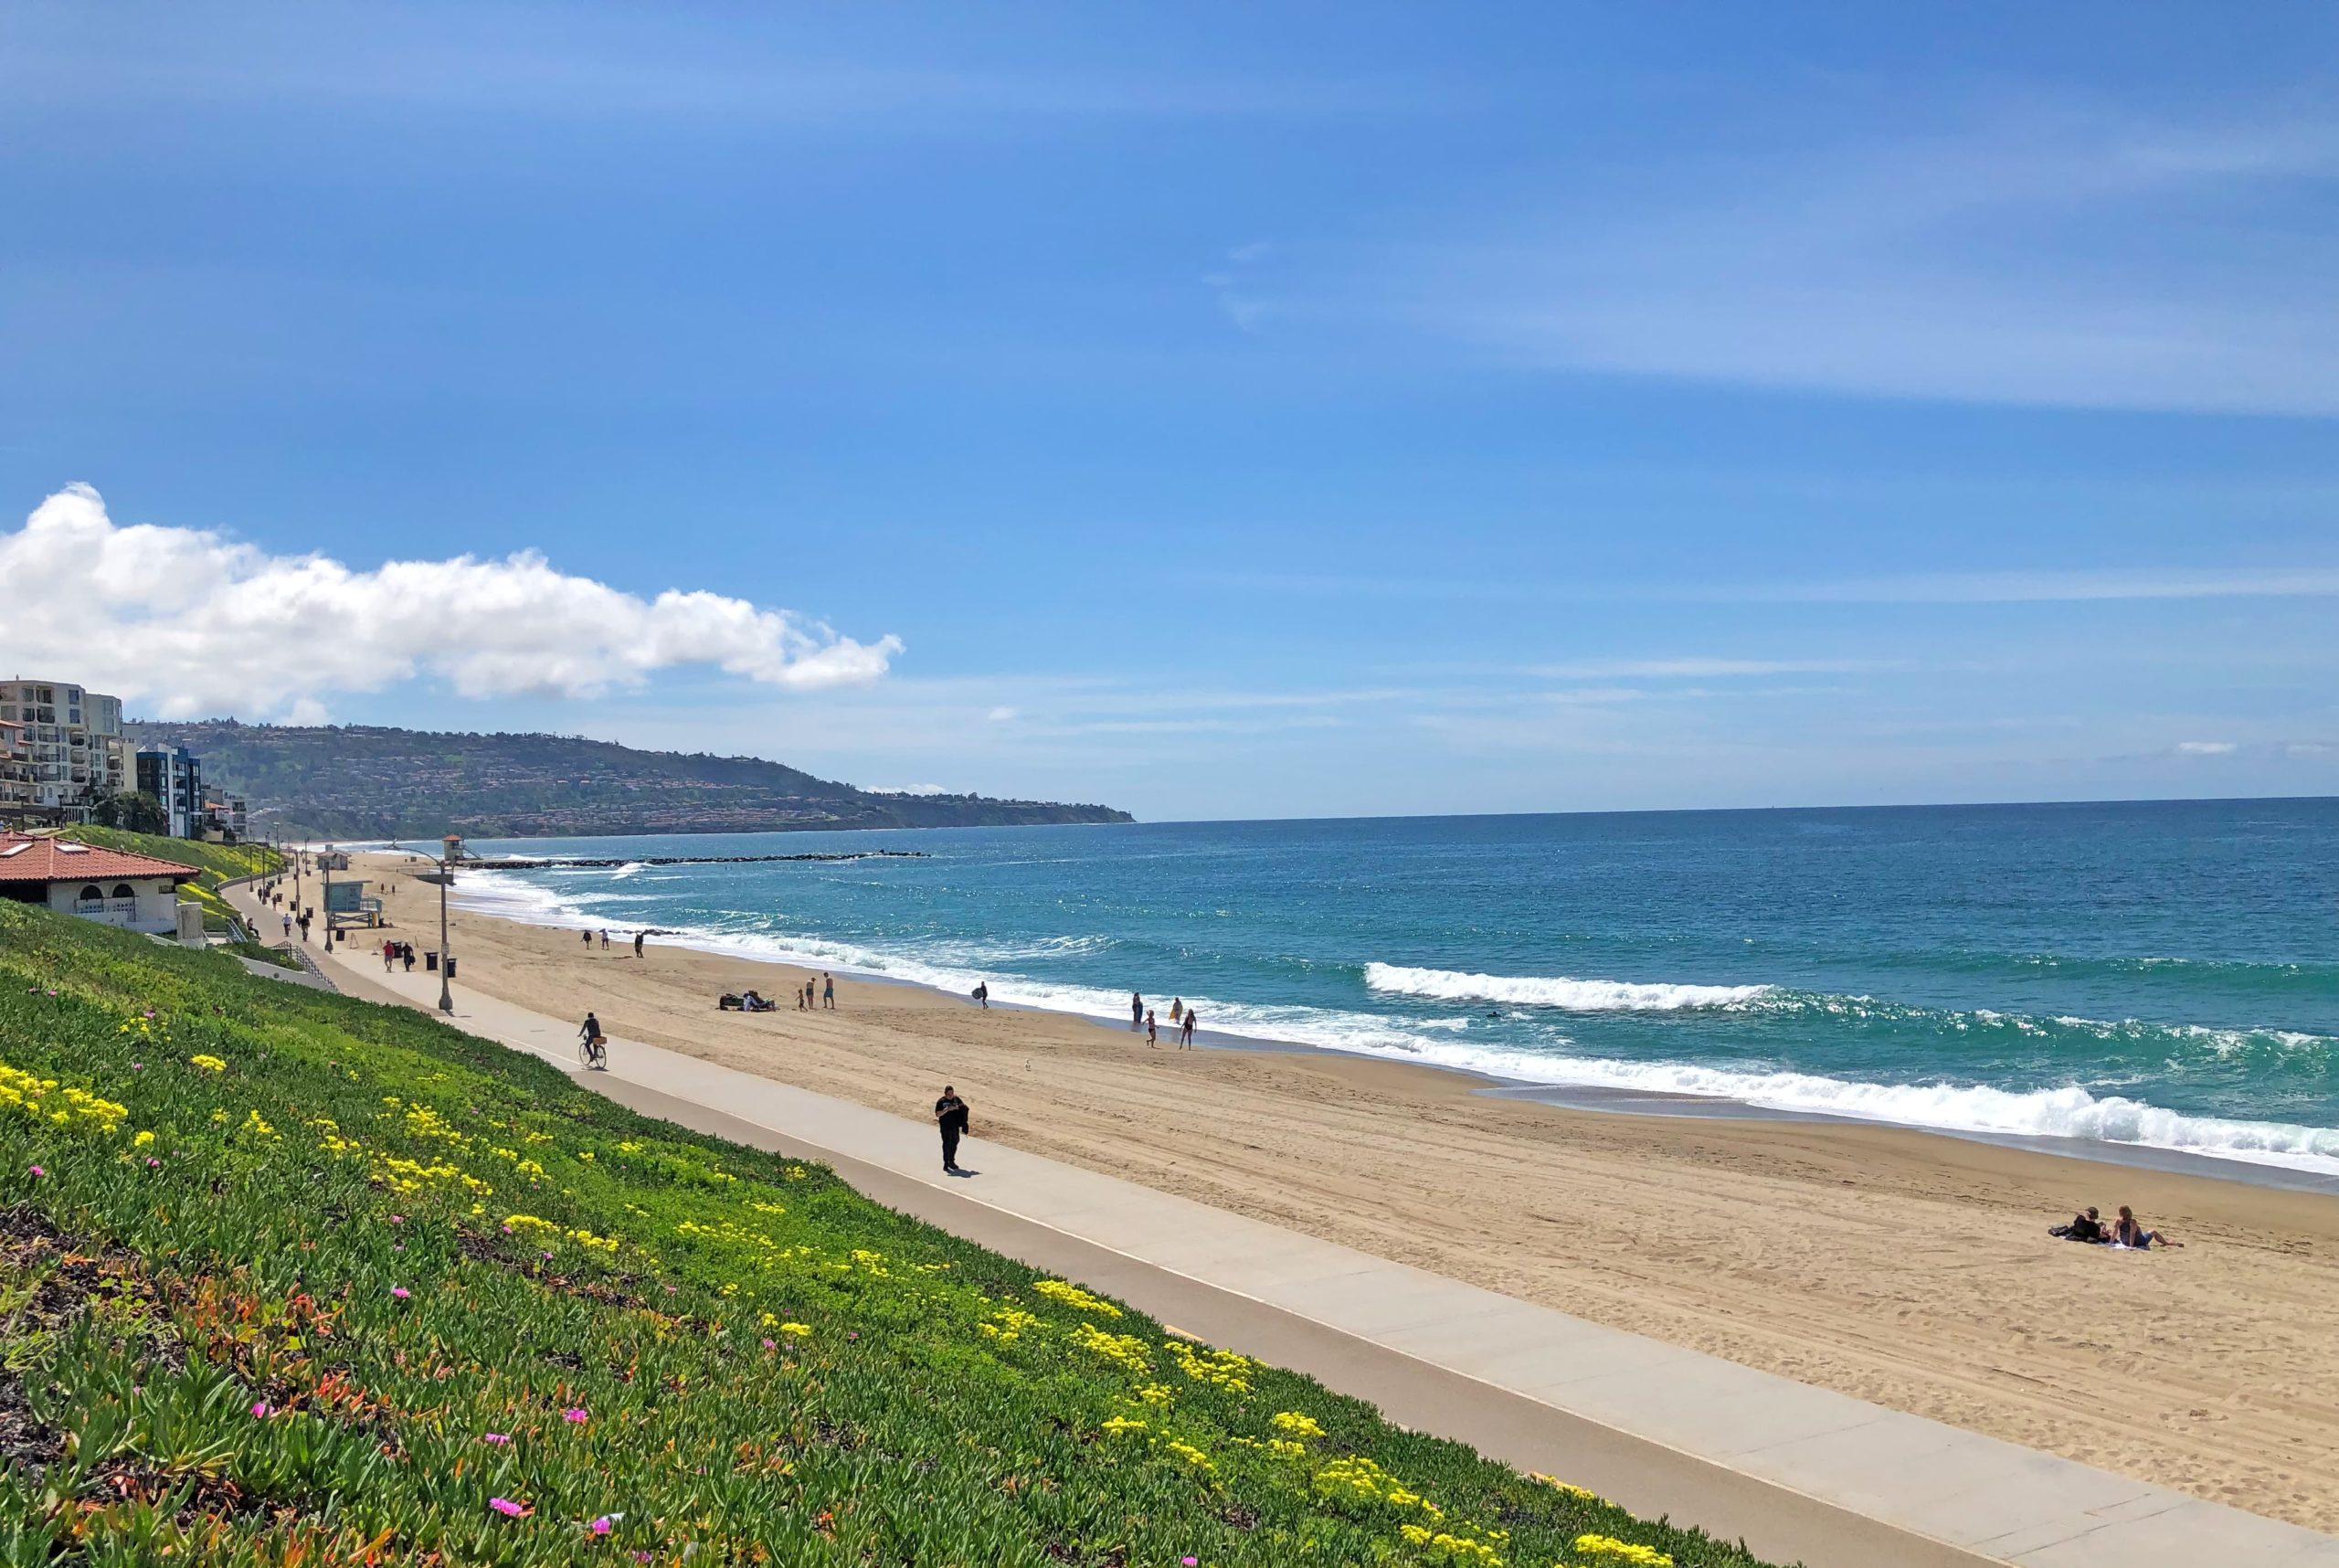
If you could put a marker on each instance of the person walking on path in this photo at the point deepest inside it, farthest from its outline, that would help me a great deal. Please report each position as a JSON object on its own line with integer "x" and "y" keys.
{"x": 389, "y": 956}
{"x": 950, "y": 1115}
{"x": 1136, "y": 1013}
{"x": 828, "y": 990}
{"x": 1186, "y": 1031}
{"x": 406, "y": 956}
{"x": 288, "y": 927}
{"x": 1152, "y": 1036}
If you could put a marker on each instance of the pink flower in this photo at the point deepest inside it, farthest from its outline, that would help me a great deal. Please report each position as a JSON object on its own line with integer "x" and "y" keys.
{"x": 1189, "y": 1562}
{"x": 641, "y": 1557}
{"x": 397, "y": 1219}
{"x": 263, "y": 1409}
{"x": 399, "y": 1292}
{"x": 602, "y": 1525}
{"x": 153, "y": 1163}
{"x": 495, "y": 1436}
{"x": 506, "y": 1507}
{"x": 766, "y": 1344}
{"x": 852, "y": 1333}
{"x": 38, "y": 1172}
{"x": 572, "y": 1416}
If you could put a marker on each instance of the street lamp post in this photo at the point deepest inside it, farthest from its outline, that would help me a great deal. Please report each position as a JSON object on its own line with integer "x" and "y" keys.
{"x": 446, "y": 958}
{"x": 325, "y": 866}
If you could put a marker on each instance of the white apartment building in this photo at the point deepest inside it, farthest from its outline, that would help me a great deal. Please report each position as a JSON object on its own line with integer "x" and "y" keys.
{"x": 72, "y": 748}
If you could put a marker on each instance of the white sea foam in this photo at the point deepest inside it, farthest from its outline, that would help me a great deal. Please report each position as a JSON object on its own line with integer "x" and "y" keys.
{"x": 2071, "y": 1112}
{"x": 1557, "y": 991}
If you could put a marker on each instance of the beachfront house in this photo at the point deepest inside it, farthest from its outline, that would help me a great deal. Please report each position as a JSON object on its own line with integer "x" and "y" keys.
{"x": 135, "y": 892}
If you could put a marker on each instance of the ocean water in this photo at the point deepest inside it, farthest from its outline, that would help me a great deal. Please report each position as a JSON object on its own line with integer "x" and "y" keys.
{"x": 2163, "y": 974}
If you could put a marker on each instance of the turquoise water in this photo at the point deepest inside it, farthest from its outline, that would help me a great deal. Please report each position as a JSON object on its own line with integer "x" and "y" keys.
{"x": 2163, "y": 974}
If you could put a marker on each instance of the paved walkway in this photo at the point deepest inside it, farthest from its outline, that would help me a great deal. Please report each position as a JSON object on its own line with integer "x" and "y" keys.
{"x": 1797, "y": 1471}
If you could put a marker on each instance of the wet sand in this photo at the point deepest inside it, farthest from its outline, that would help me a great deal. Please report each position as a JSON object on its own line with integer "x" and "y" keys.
{"x": 1900, "y": 1267}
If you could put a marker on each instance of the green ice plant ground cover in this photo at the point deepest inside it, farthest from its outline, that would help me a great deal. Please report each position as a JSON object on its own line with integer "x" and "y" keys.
{"x": 290, "y": 1278}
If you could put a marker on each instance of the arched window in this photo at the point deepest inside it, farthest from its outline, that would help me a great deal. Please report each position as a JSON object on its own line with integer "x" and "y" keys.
{"x": 93, "y": 894}
{"x": 123, "y": 890}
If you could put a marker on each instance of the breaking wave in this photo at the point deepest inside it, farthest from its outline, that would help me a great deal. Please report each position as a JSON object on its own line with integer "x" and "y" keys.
{"x": 1557, "y": 991}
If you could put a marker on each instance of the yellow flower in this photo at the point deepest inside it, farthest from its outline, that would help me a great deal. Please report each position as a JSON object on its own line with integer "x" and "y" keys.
{"x": 141, "y": 1140}
{"x": 1608, "y": 1548}
{"x": 208, "y": 1063}
{"x": 1073, "y": 1296}
{"x": 1297, "y": 1424}
{"x": 796, "y": 1328}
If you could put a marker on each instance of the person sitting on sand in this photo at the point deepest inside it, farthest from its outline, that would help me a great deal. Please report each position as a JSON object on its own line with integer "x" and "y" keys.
{"x": 2086, "y": 1227}
{"x": 2126, "y": 1231}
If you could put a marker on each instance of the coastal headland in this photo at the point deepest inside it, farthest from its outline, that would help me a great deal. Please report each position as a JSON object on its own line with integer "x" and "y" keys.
{"x": 1900, "y": 1267}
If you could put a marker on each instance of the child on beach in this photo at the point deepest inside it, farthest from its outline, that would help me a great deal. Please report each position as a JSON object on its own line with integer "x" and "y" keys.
{"x": 1151, "y": 1038}
{"x": 1186, "y": 1031}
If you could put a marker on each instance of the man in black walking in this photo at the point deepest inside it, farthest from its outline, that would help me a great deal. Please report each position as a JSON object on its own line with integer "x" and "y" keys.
{"x": 951, "y": 1115}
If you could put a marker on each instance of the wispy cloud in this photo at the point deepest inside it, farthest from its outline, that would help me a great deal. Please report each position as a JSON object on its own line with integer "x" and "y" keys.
{"x": 1916, "y": 587}
{"x": 2044, "y": 256}
{"x": 2206, "y": 747}
{"x": 645, "y": 65}
{"x": 1703, "y": 668}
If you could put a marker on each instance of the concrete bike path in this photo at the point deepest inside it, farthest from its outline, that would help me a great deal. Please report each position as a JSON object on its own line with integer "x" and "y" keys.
{"x": 1797, "y": 1471}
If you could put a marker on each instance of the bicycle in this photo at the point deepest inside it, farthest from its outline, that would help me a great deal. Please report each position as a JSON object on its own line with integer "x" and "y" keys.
{"x": 593, "y": 1050}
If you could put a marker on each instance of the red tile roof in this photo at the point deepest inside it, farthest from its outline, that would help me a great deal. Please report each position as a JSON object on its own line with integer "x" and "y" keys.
{"x": 23, "y": 858}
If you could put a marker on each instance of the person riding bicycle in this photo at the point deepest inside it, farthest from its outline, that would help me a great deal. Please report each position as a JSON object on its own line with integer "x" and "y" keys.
{"x": 590, "y": 1043}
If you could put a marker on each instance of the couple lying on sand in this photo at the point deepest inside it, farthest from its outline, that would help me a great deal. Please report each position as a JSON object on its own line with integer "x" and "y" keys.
{"x": 2123, "y": 1232}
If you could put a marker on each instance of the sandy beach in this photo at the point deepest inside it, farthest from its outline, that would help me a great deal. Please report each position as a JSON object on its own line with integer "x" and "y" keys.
{"x": 1899, "y": 1267}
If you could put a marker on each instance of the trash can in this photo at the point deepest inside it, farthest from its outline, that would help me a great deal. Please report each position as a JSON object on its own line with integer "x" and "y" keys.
{"x": 450, "y": 966}
{"x": 430, "y": 960}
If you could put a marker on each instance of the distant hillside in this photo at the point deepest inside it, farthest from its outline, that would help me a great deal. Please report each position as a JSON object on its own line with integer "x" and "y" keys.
{"x": 362, "y": 781}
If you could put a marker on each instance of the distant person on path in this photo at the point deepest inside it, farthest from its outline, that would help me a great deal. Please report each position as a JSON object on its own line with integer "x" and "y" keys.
{"x": 1186, "y": 1031}
{"x": 637, "y": 943}
{"x": 828, "y": 990}
{"x": 589, "y": 1037}
{"x": 1136, "y": 1013}
{"x": 288, "y": 927}
{"x": 406, "y": 956}
{"x": 389, "y": 956}
{"x": 1152, "y": 1035}
{"x": 2127, "y": 1232}
{"x": 950, "y": 1115}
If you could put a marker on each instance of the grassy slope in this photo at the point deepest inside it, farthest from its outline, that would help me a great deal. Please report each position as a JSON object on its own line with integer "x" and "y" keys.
{"x": 217, "y": 863}
{"x": 293, "y": 1323}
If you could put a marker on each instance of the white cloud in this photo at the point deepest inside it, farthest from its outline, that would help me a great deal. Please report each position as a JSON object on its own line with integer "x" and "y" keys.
{"x": 182, "y": 622}
{"x": 2206, "y": 747}
{"x": 1001, "y": 715}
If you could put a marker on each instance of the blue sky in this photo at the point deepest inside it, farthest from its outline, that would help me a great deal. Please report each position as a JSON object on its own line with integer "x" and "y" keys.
{"x": 1229, "y": 410}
